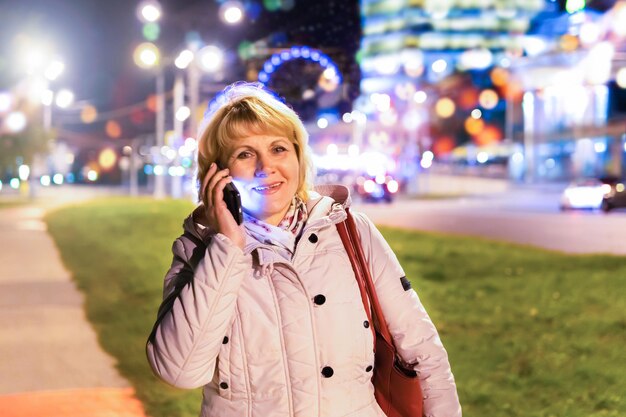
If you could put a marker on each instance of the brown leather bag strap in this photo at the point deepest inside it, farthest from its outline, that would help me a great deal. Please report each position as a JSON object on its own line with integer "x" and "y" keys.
{"x": 361, "y": 264}
{"x": 342, "y": 228}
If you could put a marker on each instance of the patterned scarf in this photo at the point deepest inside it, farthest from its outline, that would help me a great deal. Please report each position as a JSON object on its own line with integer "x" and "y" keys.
{"x": 286, "y": 233}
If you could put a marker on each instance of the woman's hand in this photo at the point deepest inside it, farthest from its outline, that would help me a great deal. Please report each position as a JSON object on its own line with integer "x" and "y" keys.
{"x": 217, "y": 214}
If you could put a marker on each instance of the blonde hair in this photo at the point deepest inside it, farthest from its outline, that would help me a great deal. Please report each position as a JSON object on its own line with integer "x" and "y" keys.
{"x": 246, "y": 109}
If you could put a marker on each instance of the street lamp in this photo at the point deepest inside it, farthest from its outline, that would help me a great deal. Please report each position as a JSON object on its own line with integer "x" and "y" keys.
{"x": 231, "y": 12}
{"x": 147, "y": 56}
{"x": 149, "y": 11}
{"x": 208, "y": 59}
{"x": 54, "y": 69}
{"x": 191, "y": 60}
{"x": 64, "y": 98}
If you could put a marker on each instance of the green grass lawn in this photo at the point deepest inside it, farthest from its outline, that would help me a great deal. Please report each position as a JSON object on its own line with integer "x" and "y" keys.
{"x": 530, "y": 333}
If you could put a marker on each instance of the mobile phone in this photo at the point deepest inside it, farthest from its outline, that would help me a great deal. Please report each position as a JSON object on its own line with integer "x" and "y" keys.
{"x": 232, "y": 198}
{"x": 233, "y": 201}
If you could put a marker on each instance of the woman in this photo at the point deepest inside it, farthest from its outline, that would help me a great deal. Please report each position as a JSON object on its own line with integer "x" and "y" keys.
{"x": 267, "y": 315}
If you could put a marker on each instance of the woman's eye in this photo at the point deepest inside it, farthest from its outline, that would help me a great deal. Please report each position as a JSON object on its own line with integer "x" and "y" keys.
{"x": 244, "y": 155}
{"x": 279, "y": 149}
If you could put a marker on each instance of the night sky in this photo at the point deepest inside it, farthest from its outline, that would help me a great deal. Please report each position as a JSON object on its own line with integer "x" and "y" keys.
{"x": 96, "y": 38}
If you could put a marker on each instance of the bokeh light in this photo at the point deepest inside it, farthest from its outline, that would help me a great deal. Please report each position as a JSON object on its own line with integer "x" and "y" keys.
{"x": 489, "y": 135}
{"x": 151, "y": 103}
{"x": 488, "y": 99}
{"x": 329, "y": 80}
{"x": 151, "y": 31}
{"x": 443, "y": 145}
{"x": 183, "y": 113}
{"x": 271, "y": 5}
{"x": 231, "y": 12}
{"x": 420, "y": 97}
{"x": 92, "y": 175}
{"x": 107, "y": 159}
{"x": 183, "y": 59}
{"x": 499, "y": 76}
{"x": 620, "y": 77}
{"x": 88, "y": 114}
{"x": 445, "y": 107}
{"x": 474, "y": 126}
{"x": 245, "y": 50}
{"x": 149, "y": 11}
{"x": 64, "y": 98}
{"x": 23, "y": 172}
{"x": 113, "y": 129}
{"x": 15, "y": 121}
{"x": 572, "y": 6}
{"x": 54, "y": 69}
{"x": 569, "y": 43}
{"x": 146, "y": 55}
{"x": 468, "y": 98}
{"x": 253, "y": 9}
{"x": 211, "y": 58}
{"x": 439, "y": 66}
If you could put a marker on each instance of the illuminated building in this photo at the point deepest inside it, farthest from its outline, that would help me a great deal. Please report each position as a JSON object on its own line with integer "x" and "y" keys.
{"x": 537, "y": 76}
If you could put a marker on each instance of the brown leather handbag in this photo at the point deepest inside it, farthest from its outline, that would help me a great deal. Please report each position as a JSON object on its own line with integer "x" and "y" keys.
{"x": 397, "y": 387}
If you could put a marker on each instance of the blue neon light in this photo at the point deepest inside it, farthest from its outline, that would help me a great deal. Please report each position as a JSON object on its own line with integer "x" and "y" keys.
{"x": 275, "y": 61}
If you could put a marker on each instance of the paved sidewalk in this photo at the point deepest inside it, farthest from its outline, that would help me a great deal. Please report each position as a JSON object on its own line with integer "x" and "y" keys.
{"x": 51, "y": 364}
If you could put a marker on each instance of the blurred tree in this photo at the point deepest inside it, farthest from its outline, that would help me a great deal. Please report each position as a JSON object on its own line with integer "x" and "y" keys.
{"x": 22, "y": 145}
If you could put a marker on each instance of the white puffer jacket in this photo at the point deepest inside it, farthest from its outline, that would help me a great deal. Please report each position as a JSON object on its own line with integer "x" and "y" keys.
{"x": 269, "y": 337}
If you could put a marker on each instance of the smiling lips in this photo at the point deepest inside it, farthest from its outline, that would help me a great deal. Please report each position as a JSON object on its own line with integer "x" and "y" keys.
{"x": 268, "y": 189}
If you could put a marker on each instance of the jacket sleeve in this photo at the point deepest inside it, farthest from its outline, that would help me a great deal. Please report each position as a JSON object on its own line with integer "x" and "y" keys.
{"x": 200, "y": 295}
{"x": 414, "y": 334}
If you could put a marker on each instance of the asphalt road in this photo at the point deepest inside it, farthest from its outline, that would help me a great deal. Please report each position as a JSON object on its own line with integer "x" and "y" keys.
{"x": 526, "y": 216}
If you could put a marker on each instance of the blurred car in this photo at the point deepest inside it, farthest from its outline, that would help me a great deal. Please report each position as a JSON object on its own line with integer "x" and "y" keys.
{"x": 615, "y": 198}
{"x": 585, "y": 193}
{"x": 375, "y": 189}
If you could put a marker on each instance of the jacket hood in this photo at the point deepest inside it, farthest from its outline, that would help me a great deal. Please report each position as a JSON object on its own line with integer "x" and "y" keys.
{"x": 339, "y": 193}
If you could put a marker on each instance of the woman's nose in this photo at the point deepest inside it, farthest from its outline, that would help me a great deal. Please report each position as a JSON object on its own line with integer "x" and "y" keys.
{"x": 263, "y": 168}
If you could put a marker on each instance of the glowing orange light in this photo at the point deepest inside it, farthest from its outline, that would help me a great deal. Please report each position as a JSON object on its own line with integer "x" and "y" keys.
{"x": 107, "y": 159}
{"x": 443, "y": 145}
{"x": 88, "y": 114}
{"x": 113, "y": 129}
{"x": 512, "y": 90}
{"x": 569, "y": 43}
{"x": 499, "y": 76}
{"x": 151, "y": 103}
{"x": 445, "y": 107}
{"x": 489, "y": 135}
{"x": 474, "y": 126}
{"x": 468, "y": 98}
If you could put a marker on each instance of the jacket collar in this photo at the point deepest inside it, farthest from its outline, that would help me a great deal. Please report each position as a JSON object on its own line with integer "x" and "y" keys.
{"x": 326, "y": 206}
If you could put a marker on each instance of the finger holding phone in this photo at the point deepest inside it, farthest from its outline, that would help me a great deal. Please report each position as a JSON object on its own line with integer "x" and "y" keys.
{"x": 218, "y": 215}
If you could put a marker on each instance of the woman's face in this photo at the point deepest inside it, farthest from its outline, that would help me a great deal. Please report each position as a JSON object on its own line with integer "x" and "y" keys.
{"x": 266, "y": 172}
